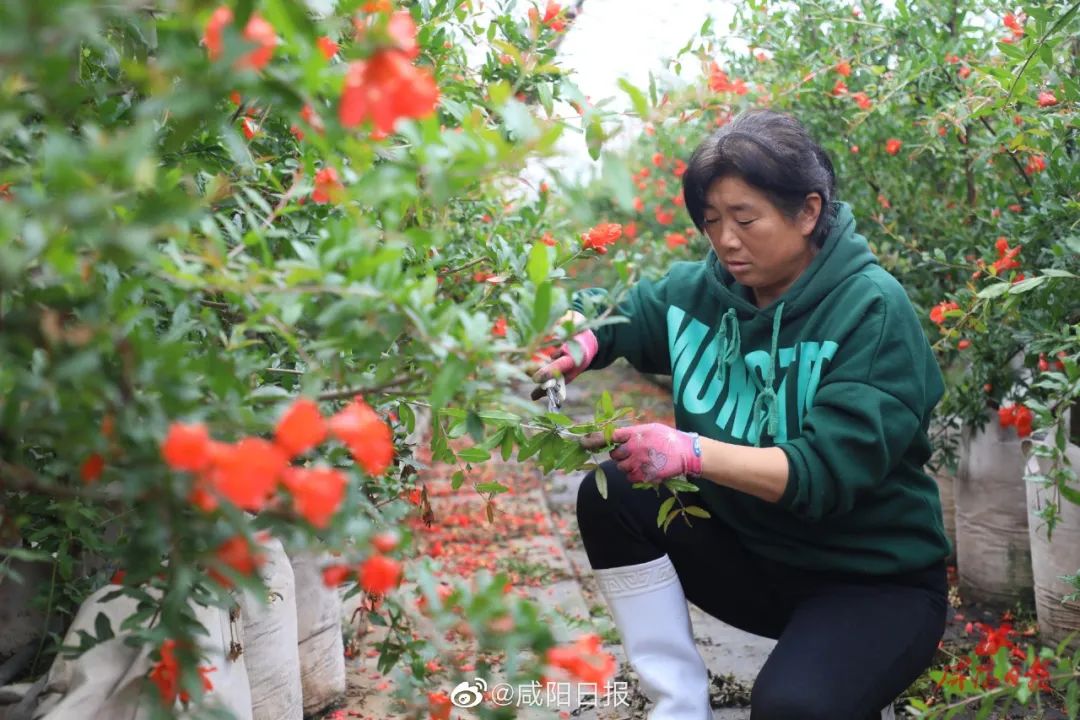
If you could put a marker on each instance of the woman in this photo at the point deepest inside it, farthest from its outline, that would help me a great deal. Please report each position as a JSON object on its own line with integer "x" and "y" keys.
{"x": 803, "y": 387}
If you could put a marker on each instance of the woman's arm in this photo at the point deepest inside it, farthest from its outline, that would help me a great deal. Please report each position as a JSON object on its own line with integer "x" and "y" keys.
{"x": 761, "y": 472}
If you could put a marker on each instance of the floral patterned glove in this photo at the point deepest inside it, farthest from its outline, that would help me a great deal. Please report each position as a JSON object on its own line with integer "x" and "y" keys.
{"x": 651, "y": 452}
{"x": 564, "y": 364}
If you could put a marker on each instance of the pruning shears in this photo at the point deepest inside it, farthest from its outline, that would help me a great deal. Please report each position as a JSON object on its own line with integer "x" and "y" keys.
{"x": 556, "y": 393}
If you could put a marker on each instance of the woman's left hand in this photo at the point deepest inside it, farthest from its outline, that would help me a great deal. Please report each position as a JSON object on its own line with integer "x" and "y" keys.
{"x": 651, "y": 452}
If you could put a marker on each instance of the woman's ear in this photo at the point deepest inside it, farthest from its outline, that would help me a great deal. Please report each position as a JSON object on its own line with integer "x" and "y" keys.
{"x": 809, "y": 215}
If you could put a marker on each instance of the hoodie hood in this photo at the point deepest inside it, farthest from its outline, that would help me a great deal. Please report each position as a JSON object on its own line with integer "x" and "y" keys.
{"x": 843, "y": 254}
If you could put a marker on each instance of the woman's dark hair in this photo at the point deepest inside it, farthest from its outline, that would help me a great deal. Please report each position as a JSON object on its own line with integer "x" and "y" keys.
{"x": 774, "y": 153}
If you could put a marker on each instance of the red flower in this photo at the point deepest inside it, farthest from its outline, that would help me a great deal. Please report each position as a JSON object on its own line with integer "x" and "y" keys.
{"x": 261, "y": 33}
{"x": 249, "y": 127}
{"x": 247, "y": 473}
{"x": 892, "y": 146}
{"x": 843, "y": 68}
{"x": 963, "y": 344}
{"x": 187, "y": 447}
{"x": 854, "y": 149}
{"x": 1035, "y": 163}
{"x": 300, "y": 428}
{"x": 257, "y": 31}
{"x": 385, "y": 88}
{"x": 1017, "y": 415}
{"x": 212, "y": 34}
{"x": 378, "y": 574}
{"x": 584, "y": 660}
{"x": 937, "y": 314}
{"x": 680, "y": 168}
{"x": 317, "y": 492}
{"x": 91, "y": 468}
{"x": 328, "y": 186}
{"x": 166, "y": 675}
{"x": 839, "y": 88}
{"x": 440, "y": 705}
{"x": 368, "y": 437}
{"x": 327, "y": 46}
{"x": 1006, "y": 256}
{"x": 663, "y": 216}
{"x": 499, "y": 329}
{"x": 630, "y": 231}
{"x": 658, "y": 159}
{"x": 862, "y": 101}
{"x": 1047, "y": 98}
{"x": 718, "y": 79}
{"x": 236, "y": 553}
{"x": 1015, "y": 24}
{"x": 386, "y": 541}
{"x": 601, "y": 236}
{"x": 402, "y": 30}
{"x": 547, "y": 239}
{"x": 675, "y": 240}
{"x": 963, "y": 72}
{"x": 334, "y": 575}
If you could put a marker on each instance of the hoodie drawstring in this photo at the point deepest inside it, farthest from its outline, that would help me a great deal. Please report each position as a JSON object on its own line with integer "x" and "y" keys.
{"x": 729, "y": 340}
{"x": 766, "y": 407}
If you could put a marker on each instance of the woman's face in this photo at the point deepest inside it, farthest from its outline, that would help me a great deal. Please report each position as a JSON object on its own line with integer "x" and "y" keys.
{"x": 757, "y": 243}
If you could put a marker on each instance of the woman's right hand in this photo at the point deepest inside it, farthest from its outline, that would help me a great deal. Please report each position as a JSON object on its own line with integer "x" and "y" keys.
{"x": 562, "y": 362}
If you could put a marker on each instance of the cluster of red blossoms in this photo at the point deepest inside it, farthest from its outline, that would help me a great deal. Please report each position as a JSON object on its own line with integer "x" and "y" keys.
{"x": 601, "y": 236}
{"x": 553, "y": 17}
{"x": 961, "y": 676}
{"x": 380, "y": 89}
{"x": 387, "y": 86}
{"x": 377, "y": 575}
{"x": 247, "y": 473}
{"x": 1018, "y": 416}
{"x": 843, "y": 68}
{"x": 720, "y": 83}
{"x": 166, "y": 675}
{"x": 584, "y": 661}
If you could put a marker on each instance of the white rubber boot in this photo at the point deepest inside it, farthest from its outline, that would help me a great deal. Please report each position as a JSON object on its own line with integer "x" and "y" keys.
{"x": 651, "y": 615}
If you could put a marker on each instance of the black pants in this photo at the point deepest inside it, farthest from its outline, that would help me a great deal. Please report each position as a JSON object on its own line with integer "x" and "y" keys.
{"x": 848, "y": 645}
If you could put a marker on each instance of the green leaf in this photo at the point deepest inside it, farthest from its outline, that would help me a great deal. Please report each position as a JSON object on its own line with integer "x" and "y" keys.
{"x": 542, "y": 306}
{"x": 601, "y": 482}
{"x": 457, "y": 479}
{"x": 1055, "y": 272}
{"x": 1027, "y": 285}
{"x": 475, "y": 426}
{"x": 499, "y": 92}
{"x": 607, "y": 404}
{"x": 594, "y": 137}
{"x": 665, "y": 508}
{"x": 637, "y": 98}
{"x": 993, "y": 291}
{"x": 499, "y": 415}
{"x": 507, "y": 447}
{"x": 448, "y": 381}
{"x": 698, "y": 511}
{"x": 538, "y": 266}
{"x": 102, "y": 627}
{"x": 491, "y": 487}
{"x": 474, "y": 455}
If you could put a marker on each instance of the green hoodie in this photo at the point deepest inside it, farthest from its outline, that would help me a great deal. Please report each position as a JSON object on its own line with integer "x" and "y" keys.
{"x": 837, "y": 373}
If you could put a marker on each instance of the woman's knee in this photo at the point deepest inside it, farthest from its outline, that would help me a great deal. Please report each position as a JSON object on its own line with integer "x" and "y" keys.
{"x": 591, "y": 504}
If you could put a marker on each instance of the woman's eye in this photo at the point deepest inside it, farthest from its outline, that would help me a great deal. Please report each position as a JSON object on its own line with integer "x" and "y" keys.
{"x": 710, "y": 221}
{"x": 745, "y": 222}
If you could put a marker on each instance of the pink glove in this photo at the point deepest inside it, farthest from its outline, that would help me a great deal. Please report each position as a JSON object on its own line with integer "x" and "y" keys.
{"x": 563, "y": 361}
{"x": 654, "y": 452}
